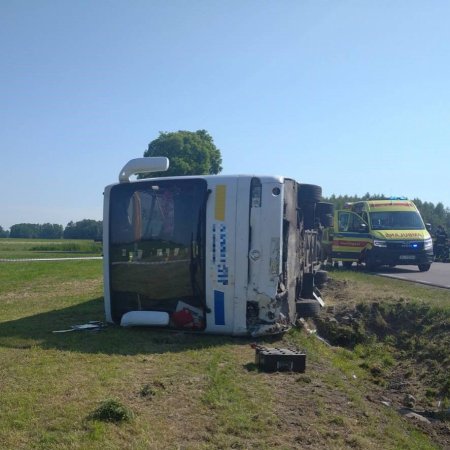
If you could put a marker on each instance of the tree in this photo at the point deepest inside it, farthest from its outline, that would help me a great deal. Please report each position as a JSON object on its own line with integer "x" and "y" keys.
{"x": 36, "y": 230}
{"x": 24, "y": 231}
{"x": 3, "y": 233}
{"x": 84, "y": 229}
{"x": 51, "y": 231}
{"x": 190, "y": 153}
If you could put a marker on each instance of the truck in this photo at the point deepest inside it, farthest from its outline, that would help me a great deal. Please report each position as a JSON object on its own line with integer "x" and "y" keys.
{"x": 224, "y": 254}
{"x": 381, "y": 232}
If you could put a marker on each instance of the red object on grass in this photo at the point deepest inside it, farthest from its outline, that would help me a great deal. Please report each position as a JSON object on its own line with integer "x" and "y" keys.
{"x": 182, "y": 318}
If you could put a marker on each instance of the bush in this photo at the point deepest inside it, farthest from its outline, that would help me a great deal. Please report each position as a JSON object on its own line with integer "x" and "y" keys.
{"x": 111, "y": 411}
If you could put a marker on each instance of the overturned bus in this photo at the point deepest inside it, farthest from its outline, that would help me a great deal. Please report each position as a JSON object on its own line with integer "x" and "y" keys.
{"x": 231, "y": 254}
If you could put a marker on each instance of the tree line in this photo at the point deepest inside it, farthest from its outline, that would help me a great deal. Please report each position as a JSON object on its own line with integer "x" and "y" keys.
{"x": 83, "y": 229}
{"x": 92, "y": 229}
{"x": 433, "y": 214}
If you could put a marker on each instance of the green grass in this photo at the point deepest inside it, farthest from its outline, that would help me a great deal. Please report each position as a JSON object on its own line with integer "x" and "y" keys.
{"x": 48, "y": 248}
{"x": 176, "y": 390}
{"x": 398, "y": 329}
{"x": 389, "y": 289}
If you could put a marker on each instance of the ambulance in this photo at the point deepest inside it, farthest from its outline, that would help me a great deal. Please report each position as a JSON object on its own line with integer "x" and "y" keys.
{"x": 224, "y": 254}
{"x": 381, "y": 233}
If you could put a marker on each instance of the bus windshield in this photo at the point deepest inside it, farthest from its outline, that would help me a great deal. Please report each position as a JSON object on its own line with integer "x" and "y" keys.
{"x": 396, "y": 220}
{"x": 156, "y": 245}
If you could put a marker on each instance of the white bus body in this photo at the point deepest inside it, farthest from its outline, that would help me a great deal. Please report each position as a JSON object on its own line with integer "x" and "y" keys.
{"x": 212, "y": 254}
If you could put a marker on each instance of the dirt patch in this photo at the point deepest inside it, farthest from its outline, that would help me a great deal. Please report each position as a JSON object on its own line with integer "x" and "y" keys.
{"x": 313, "y": 414}
{"x": 403, "y": 345}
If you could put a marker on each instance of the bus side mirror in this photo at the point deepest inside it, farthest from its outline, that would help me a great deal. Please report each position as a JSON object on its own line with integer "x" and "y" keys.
{"x": 428, "y": 227}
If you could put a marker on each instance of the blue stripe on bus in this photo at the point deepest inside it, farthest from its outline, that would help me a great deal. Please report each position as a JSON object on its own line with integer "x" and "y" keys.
{"x": 219, "y": 308}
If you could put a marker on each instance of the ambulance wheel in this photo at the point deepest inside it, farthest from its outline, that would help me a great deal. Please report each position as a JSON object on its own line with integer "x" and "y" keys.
{"x": 424, "y": 267}
{"x": 347, "y": 264}
{"x": 308, "y": 308}
{"x": 371, "y": 266}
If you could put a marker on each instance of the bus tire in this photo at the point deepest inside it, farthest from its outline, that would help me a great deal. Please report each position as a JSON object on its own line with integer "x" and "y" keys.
{"x": 309, "y": 193}
{"x": 326, "y": 220}
{"x": 325, "y": 212}
{"x": 320, "y": 278}
{"x": 424, "y": 267}
{"x": 308, "y": 308}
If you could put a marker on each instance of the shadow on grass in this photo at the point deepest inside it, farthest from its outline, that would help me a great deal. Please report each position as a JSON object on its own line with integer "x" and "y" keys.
{"x": 38, "y": 330}
{"x": 380, "y": 270}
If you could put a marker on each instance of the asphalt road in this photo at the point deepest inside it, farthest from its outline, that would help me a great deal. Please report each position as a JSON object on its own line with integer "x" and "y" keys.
{"x": 438, "y": 275}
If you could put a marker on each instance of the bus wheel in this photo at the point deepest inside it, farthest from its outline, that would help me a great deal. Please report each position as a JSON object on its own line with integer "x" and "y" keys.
{"x": 320, "y": 278}
{"x": 309, "y": 193}
{"x": 308, "y": 308}
{"x": 424, "y": 267}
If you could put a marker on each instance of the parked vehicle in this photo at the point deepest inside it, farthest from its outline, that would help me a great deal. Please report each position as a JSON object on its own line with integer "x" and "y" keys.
{"x": 381, "y": 232}
{"x": 441, "y": 245}
{"x": 442, "y": 252}
{"x": 224, "y": 254}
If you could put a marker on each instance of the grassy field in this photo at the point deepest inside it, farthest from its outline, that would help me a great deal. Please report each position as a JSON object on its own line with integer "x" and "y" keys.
{"x": 48, "y": 248}
{"x": 140, "y": 389}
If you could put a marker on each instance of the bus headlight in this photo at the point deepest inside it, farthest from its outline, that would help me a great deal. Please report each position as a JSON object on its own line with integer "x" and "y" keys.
{"x": 378, "y": 243}
{"x": 428, "y": 244}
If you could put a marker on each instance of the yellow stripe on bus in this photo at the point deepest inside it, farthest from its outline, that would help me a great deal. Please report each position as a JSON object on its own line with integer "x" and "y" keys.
{"x": 221, "y": 193}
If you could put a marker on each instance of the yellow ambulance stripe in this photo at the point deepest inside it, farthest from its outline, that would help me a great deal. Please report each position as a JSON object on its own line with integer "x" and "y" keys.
{"x": 221, "y": 194}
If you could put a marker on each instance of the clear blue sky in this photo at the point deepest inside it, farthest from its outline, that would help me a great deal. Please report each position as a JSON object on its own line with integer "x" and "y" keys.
{"x": 351, "y": 95}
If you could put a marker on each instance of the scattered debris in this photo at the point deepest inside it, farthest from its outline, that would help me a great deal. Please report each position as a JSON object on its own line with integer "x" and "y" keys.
{"x": 93, "y": 325}
{"x": 409, "y": 401}
{"x": 418, "y": 417}
{"x": 279, "y": 359}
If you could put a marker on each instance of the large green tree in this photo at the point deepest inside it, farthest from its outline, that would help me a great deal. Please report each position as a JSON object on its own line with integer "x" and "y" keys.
{"x": 36, "y": 230}
{"x": 84, "y": 229}
{"x": 189, "y": 152}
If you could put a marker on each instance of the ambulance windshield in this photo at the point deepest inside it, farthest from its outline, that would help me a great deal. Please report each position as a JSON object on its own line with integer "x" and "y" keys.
{"x": 156, "y": 245}
{"x": 396, "y": 220}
